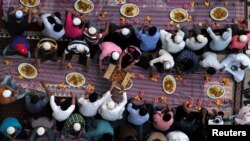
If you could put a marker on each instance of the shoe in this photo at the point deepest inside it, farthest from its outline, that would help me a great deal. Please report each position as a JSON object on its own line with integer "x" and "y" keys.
{"x": 246, "y": 102}
{"x": 246, "y": 93}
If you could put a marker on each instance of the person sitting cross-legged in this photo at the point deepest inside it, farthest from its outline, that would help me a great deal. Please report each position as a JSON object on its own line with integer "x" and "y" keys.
{"x": 165, "y": 58}
{"x": 42, "y": 126}
{"x": 236, "y": 64}
{"x": 172, "y": 42}
{"x": 210, "y": 62}
{"x": 73, "y": 127}
{"x": 80, "y": 48}
{"x": 52, "y": 25}
{"x": 10, "y": 91}
{"x": 18, "y": 45}
{"x": 18, "y": 21}
{"x": 73, "y": 25}
{"x": 63, "y": 111}
{"x": 101, "y": 130}
{"x": 186, "y": 62}
{"x": 163, "y": 119}
{"x": 108, "y": 49}
{"x": 198, "y": 41}
{"x": 46, "y": 49}
{"x": 111, "y": 110}
{"x": 35, "y": 100}
{"x": 219, "y": 42}
{"x": 11, "y": 129}
{"x": 88, "y": 106}
{"x": 137, "y": 116}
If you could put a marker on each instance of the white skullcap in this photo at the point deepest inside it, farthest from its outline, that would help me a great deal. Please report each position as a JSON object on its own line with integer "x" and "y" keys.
{"x": 77, "y": 127}
{"x": 115, "y": 55}
{"x": 243, "y": 38}
{"x": 11, "y": 130}
{"x": 6, "y": 93}
{"x": 125, "y": 31}
{"x": 218, "y": 118}
{"x": 46, "y": 46}
{"x": 200, "y": 38}
{"x": 166, "y": 65}
{"x": 40, "y": 131}
{"x": 111, "y": 104}
{"x": 92, "y": 30}
{"x": 177, "y": 136}
{"x": 76, "y": 21}
{"x": 178, "y": 39}
{"x": 225, "y": 35}
{"x": 19, "y": 14}
{"x": 79, "y": 48}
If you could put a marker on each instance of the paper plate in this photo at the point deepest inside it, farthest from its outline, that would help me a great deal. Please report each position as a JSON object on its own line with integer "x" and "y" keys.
{"x": 129, "y": 10}
{"x": 219, "y": 13}
{"x": 218, "y": 91}
{"x": 75, "y": 79}
{"x": 179, "y": 15}
{"x": 173, "y": 83}
{"x": 30, "y": 3}
{"x": 80, "y": 4}
{"x": 27, "y": 70}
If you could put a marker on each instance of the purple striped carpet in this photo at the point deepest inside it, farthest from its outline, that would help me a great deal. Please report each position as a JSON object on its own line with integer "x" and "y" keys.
{"x": 158, "y": 10}
{"x": 194, "y": 88}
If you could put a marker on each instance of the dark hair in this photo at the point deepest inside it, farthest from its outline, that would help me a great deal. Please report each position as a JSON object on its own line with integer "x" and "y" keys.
{"x": 93, "y": 97}
{"x": 221, "y": 113}
{"x": 65, "y": 104}
{"x": 166, "y": 117}
{"x": 107, "y": 137}
{"x": 185, "y": 65}
{"x": 152, "y": 30}
{"x": 58, "y": 27}
{"x": 34, "y": 98}
{"x": 242, "y": 66}
{"x": 136, "y": 55}
{"x": 142, "y": 111}
{"x": 58, "y": 15}
{"x": 130, "y": 138}
{"x": 211, "y": 70}
{"x": 51, "y": 20}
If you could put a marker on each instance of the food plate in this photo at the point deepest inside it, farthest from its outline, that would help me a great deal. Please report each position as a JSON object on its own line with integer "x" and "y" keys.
{"x": 219, "y": 13}
{"x": 27, "y": 70}
{"x": 128, "y": 86}
{"x": 129, "y": 10}
{"x": 75, "y": 79}
{"x": 30, "y": 3}
{"x": 169, "y": 84}
{"x": 215, "y": 91}
{"x": 179, "y": 15}
{"x": 84, "y": 6}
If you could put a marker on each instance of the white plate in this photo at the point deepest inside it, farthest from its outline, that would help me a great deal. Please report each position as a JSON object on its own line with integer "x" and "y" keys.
{"x": 123, "y": 8}
{"x": 80, "y": 10}
{"x": 215, "y": 86}
{"x": 119, "y": 88}
{"x": 23, "y": 74}
{"x": 181, "y": 10}
{"x": 28, "y": 5}
{"x": 163, "y": 81}
{"x": 76, "y": 73}
{"x": 212, "y": 11}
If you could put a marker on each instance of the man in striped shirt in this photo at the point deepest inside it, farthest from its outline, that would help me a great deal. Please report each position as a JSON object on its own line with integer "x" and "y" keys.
{"x": 77, "y": 47}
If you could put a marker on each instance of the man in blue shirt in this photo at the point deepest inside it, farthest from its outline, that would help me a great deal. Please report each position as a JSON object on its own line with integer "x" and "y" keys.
{"x": 11, "y": 129}
{"x": 35, "y": 100}
{"x": 148, "y": 38}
